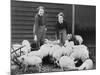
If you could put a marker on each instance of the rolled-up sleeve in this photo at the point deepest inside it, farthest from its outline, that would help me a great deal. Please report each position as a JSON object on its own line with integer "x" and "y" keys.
{"x": 35, "y": 24}
{"x": 44, "y": 20}
{"x": 57, "y": 31}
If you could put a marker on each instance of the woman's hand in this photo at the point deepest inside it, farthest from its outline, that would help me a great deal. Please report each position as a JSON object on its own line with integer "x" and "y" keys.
{"x": 58, "y": 41}
{"x": 45, "y": 29}
{"x": 35, "y": 37}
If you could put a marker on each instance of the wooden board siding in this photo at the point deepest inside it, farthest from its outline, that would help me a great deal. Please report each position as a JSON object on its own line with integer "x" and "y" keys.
{"x": 23, "y": 13}
{"x": 22, "y": 19}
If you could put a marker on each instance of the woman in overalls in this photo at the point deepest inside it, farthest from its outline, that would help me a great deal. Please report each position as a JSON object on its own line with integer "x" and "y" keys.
{"x": 39, "y": 28}
{"x": 61, "y": 28}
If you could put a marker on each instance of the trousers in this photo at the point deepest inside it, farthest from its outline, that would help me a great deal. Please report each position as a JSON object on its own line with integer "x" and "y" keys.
{"x": 41, "y": 33}
{"x": 63, "y": 35}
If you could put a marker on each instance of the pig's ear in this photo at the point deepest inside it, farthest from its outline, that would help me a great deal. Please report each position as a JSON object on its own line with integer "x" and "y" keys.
{"x": 22, "y": 59}
{"x": 84, "y": 68}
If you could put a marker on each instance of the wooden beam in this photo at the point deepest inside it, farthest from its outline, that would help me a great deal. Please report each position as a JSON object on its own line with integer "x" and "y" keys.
{"x": 17, "y": 49}
{"x": 73, "y": 20}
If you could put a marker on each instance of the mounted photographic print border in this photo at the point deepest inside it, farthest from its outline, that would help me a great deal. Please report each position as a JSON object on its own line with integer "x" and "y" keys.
{"x": 81, "y": 28}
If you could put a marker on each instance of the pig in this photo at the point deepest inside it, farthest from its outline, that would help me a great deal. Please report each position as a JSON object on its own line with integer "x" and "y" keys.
{"x": 27, "y": 48}
{"x": 30, "y": 60}
{"x": 79, "y": 39}
{"x": 66, "y": 62}
{"x": 81, "y": 52}
{"x": 87, "y": 65}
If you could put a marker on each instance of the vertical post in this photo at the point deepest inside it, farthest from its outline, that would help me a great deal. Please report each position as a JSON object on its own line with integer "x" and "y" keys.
{"x": 73, "y": 20}
{"x": 20, "y": 51}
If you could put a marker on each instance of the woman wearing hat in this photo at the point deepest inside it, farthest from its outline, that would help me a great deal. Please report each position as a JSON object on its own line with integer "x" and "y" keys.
{"x": 39, "y": 27}
{"x": 61, "y": 28}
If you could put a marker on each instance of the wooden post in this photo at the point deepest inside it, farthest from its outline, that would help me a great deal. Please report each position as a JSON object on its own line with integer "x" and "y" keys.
{"x": 73, "y": 20}
{"x": 20, "y": 51}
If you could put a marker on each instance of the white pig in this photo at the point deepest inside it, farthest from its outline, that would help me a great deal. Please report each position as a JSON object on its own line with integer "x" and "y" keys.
{"x": 27, "y": 48}
{"x": 87, "y": 65}
{"x": 30, "y": 60}
{"x": 81, "y": 52}
{"x": 66, "y": 62}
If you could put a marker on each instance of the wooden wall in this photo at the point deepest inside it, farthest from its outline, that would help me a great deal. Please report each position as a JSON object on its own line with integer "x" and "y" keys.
{"x": 23, "y": 13}
{"x": 22, "y": 19}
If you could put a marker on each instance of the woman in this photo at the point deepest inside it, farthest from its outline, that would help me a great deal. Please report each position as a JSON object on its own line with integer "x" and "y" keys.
{"x": 61, "y": 28}
{"x": 39, "y": 27}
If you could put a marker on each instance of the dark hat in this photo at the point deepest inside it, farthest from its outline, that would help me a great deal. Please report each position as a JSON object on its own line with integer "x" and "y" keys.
{"x": 60, "y": 14}
{"x": 40, "y": 7}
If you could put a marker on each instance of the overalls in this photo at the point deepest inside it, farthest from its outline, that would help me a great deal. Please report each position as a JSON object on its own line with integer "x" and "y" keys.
{"x": 40, "y": 29}
{"x": 62, "y": 35}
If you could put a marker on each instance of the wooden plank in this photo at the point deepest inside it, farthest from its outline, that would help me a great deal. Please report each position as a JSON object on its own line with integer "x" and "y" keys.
{"x": 28, "y": 23}
{"x": 28, "y": 30}
{"x": 51, "y": 29}
{"x": 32, "y": 4}
{"x": 21, "y": 30}
{"x": 31, "y": 15}
{"x": 17, "y": 49}
{"x": 33, "y": 9}
{"x": 28, "y": 36}
{"x": 22, "y": 22}
{"x": 21, "y": 27}
{"x": 21, "y": 13}
{"x": 28, "y": 2}
{"x": 48, "y": 22}
{"x": 29, "y": 27}
{"x": 48, "y": 25}
{"x": 22, "y": 9}
{"x": 25, "y": 20}
{"x": 53, "y": 22}
{"x": 22, "y": 33}
{"x": 49, "y": 32}
{"x": 25, "y": 23}
{"x": 14, "y": 41}
{"x": 30, "y": 18}
{"x": 22, "y": 18}
{"x": 21, "y": 39}
{"x": 14, "y": 38}
{"x": 54, "y": 13}
{"x": 18, "y": 13}
{"x": 22, "y": 36}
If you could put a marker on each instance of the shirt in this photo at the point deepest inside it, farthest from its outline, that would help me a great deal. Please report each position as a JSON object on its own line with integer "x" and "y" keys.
{"x": 39, "y": 21}
{"x": 60, "y": 26}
